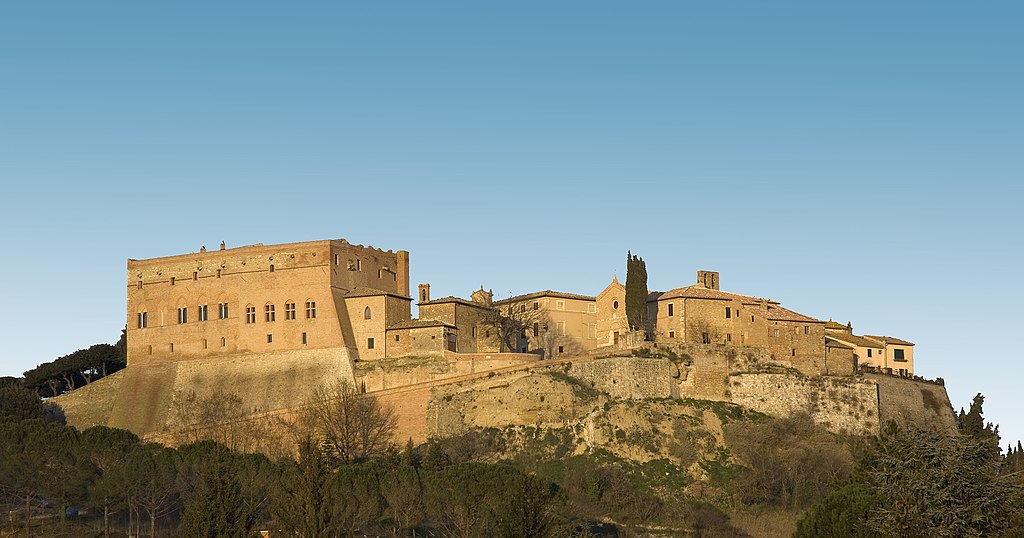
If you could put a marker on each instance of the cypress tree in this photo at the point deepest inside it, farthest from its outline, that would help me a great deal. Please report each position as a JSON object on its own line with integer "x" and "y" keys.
{"x": 636, "y": 292}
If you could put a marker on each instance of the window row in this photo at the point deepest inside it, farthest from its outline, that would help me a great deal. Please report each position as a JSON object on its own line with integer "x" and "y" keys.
{"x": 203, "y": 313}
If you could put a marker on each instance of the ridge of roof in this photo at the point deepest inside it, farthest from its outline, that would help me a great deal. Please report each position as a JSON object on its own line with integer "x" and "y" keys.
{"x": 416, "y": 323}
{"x": 546, "y": 293}
{"x": 362, "y": 291}
{"x": 890, "y": 340}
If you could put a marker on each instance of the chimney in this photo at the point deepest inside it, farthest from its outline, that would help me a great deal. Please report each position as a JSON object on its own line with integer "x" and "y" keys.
{"x": 708, "y": 279}
{"x": 222, "y": 245}
{"x": 424, "y": 293}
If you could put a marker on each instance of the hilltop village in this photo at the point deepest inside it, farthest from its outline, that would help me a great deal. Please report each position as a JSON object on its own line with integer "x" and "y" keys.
{"x": 271, "y": 322}
{"x": 332, "y": 294}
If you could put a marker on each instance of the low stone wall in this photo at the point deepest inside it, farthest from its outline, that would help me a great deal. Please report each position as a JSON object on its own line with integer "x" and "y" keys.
{"x": 841, "y": 404}
{"x": 385, "y": 374}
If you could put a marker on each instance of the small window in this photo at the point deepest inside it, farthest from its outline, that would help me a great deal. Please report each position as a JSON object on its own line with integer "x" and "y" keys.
{"x": 223, "y": 308}
{"x": 561, "y": 328}
{"x": 304, "y": 339}
{"x": 671, "y": 334}
{"x": 250, "y": 314}
{"x": 473, "y": 332}
{"x": 897, "y": 355}
{"x": 218, "y": 273}
{"x": 728, "y": 337}
{"x": 561, "y": 349}
{"x": 751, "y": 319}
{"x": 559, "y": 305}
{"x": 336, "y": 259}
{"x": 268, "y": 313}
{"x": 205, "y": 345}
{"x": 271, "y": 268}
{"x": 359, "y": 264}
{"x": 204, "y": 312}
{"x": 149, "y": 350}
{"x": 140, "y": 284}
{"x": 794, "y": 352}
{"x": 615, "y": 305}
{"x": 705, "y": 338}
{"x": 522, "y": 307}
{"x": 270, "y": 338}
{"x": 143, "y": 319}
{"x": 536, "y": 329}
{"x": 183, "y": 314}
{"x": 536, "y": 305}
{"x": 172, "y": 280}
{"x": 310, "y": 309}
{"x": 369, "y": 343}
{"x": 195, "y": 275}
{"x": 223, "y": 341}
{"x": 728, "y": 312}
{"x": 172, "y": 347}
{"x": 367, "y": 314}
{"x": 397, "y": 338}
{"x": 807, "y": 329}
{"x": 869, "y": 353}
{"x": 671, "y": 309}
{"x": 592, "y": 308}
{"x": 289, "y": 311}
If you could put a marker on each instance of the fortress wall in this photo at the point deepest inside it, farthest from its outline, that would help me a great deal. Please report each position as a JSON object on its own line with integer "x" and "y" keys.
{"x": 402, "y": 371}
{"x": 913, "y": 403}
{"x": 140, "y": 399}
{"x": 628, "y": 377}
{"x": 841, "y": 404}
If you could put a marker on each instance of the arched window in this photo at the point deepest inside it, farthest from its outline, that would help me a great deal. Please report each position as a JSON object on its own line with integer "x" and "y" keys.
{"x": 367, "y": 314}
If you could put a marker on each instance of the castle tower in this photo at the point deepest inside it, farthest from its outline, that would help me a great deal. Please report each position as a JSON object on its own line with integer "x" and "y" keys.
{"x": 708, "y": 279}
{"x": 424, "y": 295}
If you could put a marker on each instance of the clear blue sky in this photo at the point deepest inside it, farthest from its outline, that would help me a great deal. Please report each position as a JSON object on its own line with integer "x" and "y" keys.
{"x": 858, "y": 160}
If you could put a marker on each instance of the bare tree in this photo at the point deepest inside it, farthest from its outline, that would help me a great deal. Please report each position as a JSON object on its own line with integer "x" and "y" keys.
{"x": 513, "y": 323}
{"x": 351, "y": 426}
{"x": 701, "y": 331}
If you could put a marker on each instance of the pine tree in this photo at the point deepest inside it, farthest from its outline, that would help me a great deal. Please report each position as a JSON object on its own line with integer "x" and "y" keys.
{"x": 636, "y": 292}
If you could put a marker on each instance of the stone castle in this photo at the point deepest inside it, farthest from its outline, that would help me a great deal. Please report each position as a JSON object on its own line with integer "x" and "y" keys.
{"x": 355, "y": 301}
{"x": 270, "y": 323}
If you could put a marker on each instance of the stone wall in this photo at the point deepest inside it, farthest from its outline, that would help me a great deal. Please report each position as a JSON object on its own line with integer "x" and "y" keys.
{"x": 911, "y": 402}
{"x": 140, "y": 399}
{"x": 628, "y": 377}
{"x": 396, "y": 372}
{"x": 841, "y": 404}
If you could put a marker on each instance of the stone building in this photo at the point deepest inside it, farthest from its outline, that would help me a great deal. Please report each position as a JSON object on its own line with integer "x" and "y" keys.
{"x": 885, "y": 352}
{"x": 704, "y": 314}
{"x": 471, "y": 319}
{"x": 553, "y": 323}
{"x": 261, "y": 298}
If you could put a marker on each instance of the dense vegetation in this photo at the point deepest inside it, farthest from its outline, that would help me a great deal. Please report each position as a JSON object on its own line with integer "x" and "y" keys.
{"x": 76, "y": 369}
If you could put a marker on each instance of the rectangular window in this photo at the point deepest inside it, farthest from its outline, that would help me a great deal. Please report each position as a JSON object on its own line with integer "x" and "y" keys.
{"x": 728, "y": 337}
{"x": 223, "y": 341}
{"x": 271, "y": 268}
{"x": 398, "y": 338}
{"x": 289, "y": 311}
{"x": 807, "y": 329}
{"x": 592, "y": 308}
{"x": 140, "y": 284}
{"x": 561, "y": 349}
{"x": 897, "y": 355}
{"x": 671, "y": 334}
{"x": 369, "y": 343}
{"x": 218, "y": 273}
{"x": 751, "y": 319}
{"x": 728, "y": 312}
{"x": 205, "y": 343}
{"x": 250, "y": 314}
{"x": 204, "y": 312}
{"x": 270, "y": 338}
{"x": 183, "y": 314}
{"x": 172, "y": 283}
{"x": 304, "y": 339}
{"x": 473, "y": 331}
{"x": 336, "y": 259}
{"x": 560, "y": 326}
{"x": 559, "y": 305}
{"x": 536, "y": 305}
{"x": 310, "y": 309}
{"x": 195, "y": 275}
{"x": 268, "y": 312}
{"x": 223, "y": 310}
{"x": 671, "y": 309}
{"x": 592, "y": 330}
{"x": 705, "y": 338}
{"x": 536, "y": 329}
{"x": 869, "y": 353}
{"x": 522, "y": 307}
{"x": 794, "y": 352}
{"x": 359, "y": 264}
{"x": 143, "y": 319}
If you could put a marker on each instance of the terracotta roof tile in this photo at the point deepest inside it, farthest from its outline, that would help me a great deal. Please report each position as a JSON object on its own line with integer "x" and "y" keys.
{"x": 890, "y": 340}
{"x": 546, "y": 293}
{"x": 371, "y": 292}
{"x": 453, "y": 299}
{"x": 420, "y": 323}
